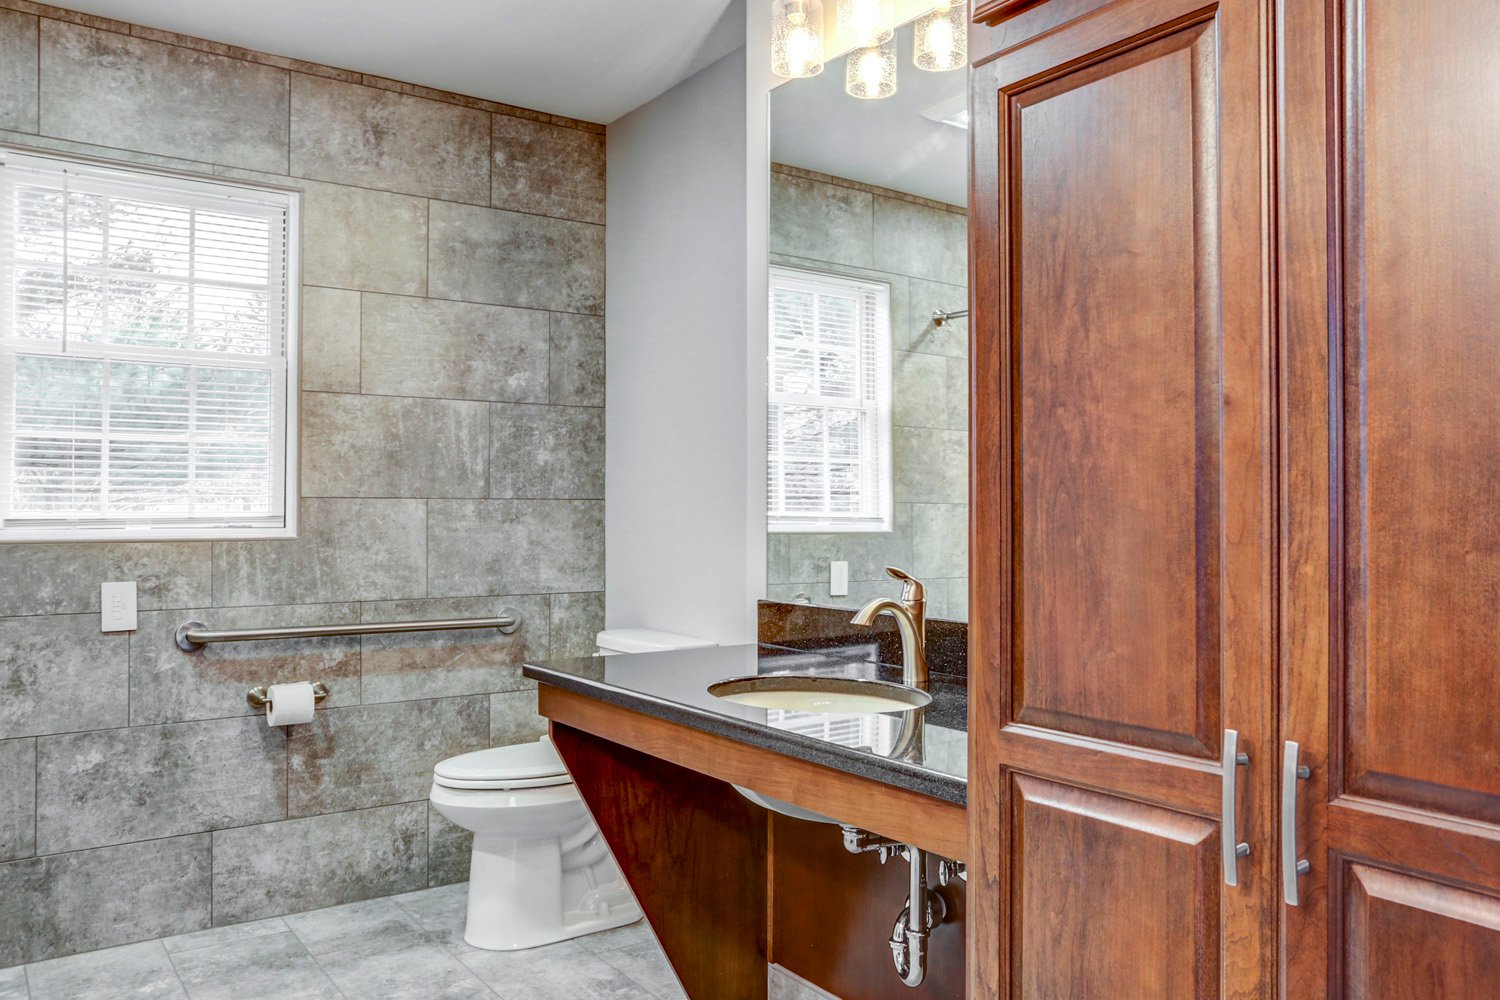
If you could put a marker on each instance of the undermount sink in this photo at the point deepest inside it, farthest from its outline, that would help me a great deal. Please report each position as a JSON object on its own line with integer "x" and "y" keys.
{"x": 836, "y": 695}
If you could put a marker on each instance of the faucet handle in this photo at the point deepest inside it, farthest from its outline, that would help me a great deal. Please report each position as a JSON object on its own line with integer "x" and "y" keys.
{"x": 913, "y": 589}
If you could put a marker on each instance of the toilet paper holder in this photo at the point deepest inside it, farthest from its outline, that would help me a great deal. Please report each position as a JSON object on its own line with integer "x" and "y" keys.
{"x": 259, "y": 696}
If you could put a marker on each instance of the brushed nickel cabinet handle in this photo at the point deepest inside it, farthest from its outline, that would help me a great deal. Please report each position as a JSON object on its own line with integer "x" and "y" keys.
{"x": 1291, "y": 865}
{"x": 1234, "y": 848}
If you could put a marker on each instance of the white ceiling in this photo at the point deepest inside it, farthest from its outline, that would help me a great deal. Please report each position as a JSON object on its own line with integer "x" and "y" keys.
{"x": 589, "y": 59}
{"x": 816, "y": 126}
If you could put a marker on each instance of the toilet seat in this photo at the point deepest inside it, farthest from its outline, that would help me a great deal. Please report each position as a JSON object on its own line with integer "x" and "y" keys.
{"x": 527, "y": 765}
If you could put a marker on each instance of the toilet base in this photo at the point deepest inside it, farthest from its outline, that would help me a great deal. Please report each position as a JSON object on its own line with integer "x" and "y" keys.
{"x": 525, "y": 893}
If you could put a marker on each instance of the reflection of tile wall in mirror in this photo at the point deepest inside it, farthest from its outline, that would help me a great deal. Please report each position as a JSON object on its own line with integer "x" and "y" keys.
{"x": 876, "y": 190}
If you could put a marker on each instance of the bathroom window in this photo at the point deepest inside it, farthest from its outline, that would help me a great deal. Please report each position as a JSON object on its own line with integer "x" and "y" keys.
{"x": 829, "y": 420}
{"x": 147, "y": 355}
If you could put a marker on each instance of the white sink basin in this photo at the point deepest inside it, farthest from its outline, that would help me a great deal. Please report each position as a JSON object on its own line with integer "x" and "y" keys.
{"x": 832, "y": 695}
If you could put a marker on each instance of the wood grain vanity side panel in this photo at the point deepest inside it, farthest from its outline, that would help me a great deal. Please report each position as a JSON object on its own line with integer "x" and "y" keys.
{"x": 832, "y": 913}
{"x": 695, "y": 854}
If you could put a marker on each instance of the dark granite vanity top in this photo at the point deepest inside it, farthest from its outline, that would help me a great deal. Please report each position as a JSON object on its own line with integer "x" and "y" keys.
{"x": 674, "y": 686}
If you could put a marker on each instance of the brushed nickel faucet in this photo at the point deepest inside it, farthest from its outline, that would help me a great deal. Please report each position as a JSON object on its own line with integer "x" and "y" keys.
{"x": 911, "y": 621}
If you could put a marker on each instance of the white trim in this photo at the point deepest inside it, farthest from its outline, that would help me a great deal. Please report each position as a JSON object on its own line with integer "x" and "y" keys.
{"x": 280, "y": 209}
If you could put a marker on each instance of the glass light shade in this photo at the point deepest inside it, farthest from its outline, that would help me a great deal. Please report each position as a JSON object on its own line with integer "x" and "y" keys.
{"x": 871, "y": 72}
{"x": 942, "y": 37}
{"x": 866, "y": 22}
{"x": 796, "y": 38}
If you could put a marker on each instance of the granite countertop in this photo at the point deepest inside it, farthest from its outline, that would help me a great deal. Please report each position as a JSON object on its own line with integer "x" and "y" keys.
{"x": 674, "y": 686}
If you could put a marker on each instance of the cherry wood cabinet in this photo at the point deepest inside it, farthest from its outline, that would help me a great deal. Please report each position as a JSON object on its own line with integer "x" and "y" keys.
{"x": 1236, "y": 467}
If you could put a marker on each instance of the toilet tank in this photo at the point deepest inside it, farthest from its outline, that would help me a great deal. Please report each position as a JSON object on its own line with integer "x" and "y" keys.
{"x": 644, "y": 640}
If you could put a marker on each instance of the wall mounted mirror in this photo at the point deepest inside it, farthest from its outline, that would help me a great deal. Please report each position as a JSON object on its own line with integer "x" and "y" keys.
{"x": 867, "y": 443}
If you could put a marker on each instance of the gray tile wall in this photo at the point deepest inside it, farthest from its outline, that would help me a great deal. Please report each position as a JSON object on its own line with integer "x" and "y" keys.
{"x": 452, "y": 464}
{"x": 921, "y": 251}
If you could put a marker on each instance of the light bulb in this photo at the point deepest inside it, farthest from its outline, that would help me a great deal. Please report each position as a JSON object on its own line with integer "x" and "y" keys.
{"x": 870, "y": 73}
{"x": 942, "y": 38}
{"x": 797, "y": 38}
{"x": 866, "y": 22}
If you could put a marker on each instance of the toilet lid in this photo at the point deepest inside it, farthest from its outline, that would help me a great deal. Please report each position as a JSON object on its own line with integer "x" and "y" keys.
{"x": 527, "y": 765}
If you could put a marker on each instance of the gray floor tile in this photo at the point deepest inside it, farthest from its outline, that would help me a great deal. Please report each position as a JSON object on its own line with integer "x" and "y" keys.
{"x": 13, "y": 984}
{"x": 404, "y": 967}
{"x": 565, "y": 971}
{"x": 644, "y": 962}
{"x": 440, "y": 913}
{"x": 138, "y": 971}
{"x": 269, "y": 965}
{"x": 352, "y": 927}
{"x": 224, "y": 935}
{"x": 620, "y": 937}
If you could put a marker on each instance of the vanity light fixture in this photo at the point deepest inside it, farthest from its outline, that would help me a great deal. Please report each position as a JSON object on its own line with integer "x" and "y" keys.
{"x": 942, "y": 37}
{"x": 797, "y": 38}
{"x": 870, "y": 72}
{"x": 866, "y": 23}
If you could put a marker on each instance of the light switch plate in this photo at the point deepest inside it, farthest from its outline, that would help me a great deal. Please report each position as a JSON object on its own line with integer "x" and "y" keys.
{"x": 117, "y": 607}
{"x": 838, "y": 579}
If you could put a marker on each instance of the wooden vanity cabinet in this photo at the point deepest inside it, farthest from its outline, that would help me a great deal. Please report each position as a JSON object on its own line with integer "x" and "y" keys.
{"x": 1236, "y": 466}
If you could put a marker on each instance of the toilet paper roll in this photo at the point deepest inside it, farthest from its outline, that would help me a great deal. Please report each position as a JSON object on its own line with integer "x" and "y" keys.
{"x": 289, "y": 704}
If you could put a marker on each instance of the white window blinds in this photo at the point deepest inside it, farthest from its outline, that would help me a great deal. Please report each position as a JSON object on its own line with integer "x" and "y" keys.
{"x": 146, "y": 354}
{"x": 829, "y": 421}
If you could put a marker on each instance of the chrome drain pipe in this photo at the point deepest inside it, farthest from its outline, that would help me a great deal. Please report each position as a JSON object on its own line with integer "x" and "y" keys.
{"x": 924, "y": 908}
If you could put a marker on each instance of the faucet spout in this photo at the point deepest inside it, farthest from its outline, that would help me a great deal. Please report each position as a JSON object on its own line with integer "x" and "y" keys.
{"x": 911, "y": 621}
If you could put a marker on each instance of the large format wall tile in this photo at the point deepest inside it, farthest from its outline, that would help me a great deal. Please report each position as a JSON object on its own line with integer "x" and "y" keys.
{"x": 547, "y": 451}
{"x": 518, "y": 546}
{"x": 414, "y": 665}
{"x": 60, "y": 675}
{"x": 349, "y": 550}
{"x": 510, "y": 259}
{"x": 932, "y": 465}
{"x": 867, "y": 553}
{"x": 17, "y": 799}
{"x": 373, "y": 755}
{"x": 376, "y": 138}
{"x": 920, "y": 390}
{"x": 195, "y": 776}
{"x": 388, "y": 446}
{"x": 63, "y": 577}
{"x": 915, "y": 330}
{"x": 922, "y": 242}
{"x": 825, "y": 222}
{"x": 303, "y": 864}
{"x": 940, "y": 540}
{"x": 547, "y": 170}
{"x": 369, "y": 240}
{"x": 18, "y": 71}
{"x": 514, "y": 718}
{"x": 577, "y": 359}
{"x": 454, "y": 350}
{"x": 169, "y": 685}
{"x": 448, "y": 849}
{"x": 68, "y": 903}
{"x": 330, "y": 339}
{"x": 116, "y": 90}
{"x": 577, "y": 620}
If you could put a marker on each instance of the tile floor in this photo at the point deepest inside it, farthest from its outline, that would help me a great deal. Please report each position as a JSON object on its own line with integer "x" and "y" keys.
{"x": 407, "y": 947}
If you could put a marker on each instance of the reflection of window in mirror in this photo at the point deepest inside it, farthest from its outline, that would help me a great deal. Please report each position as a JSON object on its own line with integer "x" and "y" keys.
{"x": 829, "y": 419}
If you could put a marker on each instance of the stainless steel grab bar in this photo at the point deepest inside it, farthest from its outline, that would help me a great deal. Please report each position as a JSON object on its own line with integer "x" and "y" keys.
{"x": 193, "y": 636}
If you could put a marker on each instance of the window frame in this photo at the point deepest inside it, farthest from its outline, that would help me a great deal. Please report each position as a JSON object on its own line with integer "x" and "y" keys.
{"x": 882, "y": 408}
{"x": 285, "y": 375}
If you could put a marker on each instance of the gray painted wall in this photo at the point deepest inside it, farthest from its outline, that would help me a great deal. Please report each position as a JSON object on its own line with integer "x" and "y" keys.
{"x": 452, "y": 462}
{"x": 681, "y": 503}
{"x": 921, "y": 250}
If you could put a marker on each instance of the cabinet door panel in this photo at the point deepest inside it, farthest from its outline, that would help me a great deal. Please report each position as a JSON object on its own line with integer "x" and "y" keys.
{"x": 1391, "y": 472}
{"x": 1117, "y": 381}
{"x": 1125, "y": 891}
{"x": 1122, "y": 564}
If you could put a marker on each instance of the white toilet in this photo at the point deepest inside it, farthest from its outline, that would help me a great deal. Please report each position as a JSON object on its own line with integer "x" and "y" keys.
{"x": 540, "y": 870}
